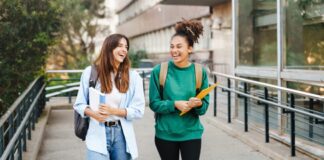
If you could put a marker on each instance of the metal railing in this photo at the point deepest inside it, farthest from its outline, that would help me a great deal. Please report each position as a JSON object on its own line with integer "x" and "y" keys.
{"x": 70, "y": 86}
{"x": 145, "y": 74}
{"x": 16, "y": 124}
{"x": 266, "y": 101}
{"x": 66, "y": 83}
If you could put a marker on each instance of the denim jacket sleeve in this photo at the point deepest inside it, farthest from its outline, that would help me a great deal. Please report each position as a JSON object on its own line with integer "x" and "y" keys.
{"x": 81, "y": 101}
{"x": 136, "y": 101}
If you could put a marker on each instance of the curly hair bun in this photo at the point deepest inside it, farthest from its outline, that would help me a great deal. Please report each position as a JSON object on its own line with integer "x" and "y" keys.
{"x": 192, "y": 28}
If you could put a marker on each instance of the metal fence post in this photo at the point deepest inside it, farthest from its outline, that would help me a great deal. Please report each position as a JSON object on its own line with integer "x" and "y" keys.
{"x": 24, "y": 139}
{"x": 11, "y": 126}
{"x": 292, "y": 119}
{"x": 29, "y": 127}
{"x": 33, "y": 119}
{"x": 229, "y": 100}
{"x": 70, "y": 98}
{"x": 311, "y": 120}
{"x": 11, "y": 133}
{"x": 19, "y": 149}
{"x": 215, "y": 97}
{"x": 245, "y": 109}
{"x": 266, "y": 110}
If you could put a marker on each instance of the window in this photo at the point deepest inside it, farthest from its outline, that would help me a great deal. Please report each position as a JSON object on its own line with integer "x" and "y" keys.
{"x": 305, "y": 34}
{"x": 257, "y": 33}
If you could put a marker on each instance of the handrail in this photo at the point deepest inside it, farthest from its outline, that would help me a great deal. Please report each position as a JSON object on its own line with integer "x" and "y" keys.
{"x": 305, "y": 109}
{"x": 301, "y": 93}
{"x": 13, "y": 107}
{"x": 273, "y": 103}
{"x": 65, "y": 71}
{"x": 142, "y": 69}
{"x": 62, "y": 91}
{"x": 62, "y": 86}
{"x": 20, "y": 119}
{"x": 15, "y": 137}
{"x": 80, "y": 70}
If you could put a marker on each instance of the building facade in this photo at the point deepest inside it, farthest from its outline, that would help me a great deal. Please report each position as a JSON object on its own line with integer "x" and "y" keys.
{"x": 150, "y": 25}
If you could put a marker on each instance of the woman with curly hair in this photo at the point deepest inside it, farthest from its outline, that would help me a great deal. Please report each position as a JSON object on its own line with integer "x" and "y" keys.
{"x": 176, "y": 134}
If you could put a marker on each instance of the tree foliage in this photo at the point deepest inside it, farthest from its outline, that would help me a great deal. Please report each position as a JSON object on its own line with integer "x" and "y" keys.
{"x": 27, "y": 28}
{"x": 135, "y": 57}
{"x": 80, "y": 26}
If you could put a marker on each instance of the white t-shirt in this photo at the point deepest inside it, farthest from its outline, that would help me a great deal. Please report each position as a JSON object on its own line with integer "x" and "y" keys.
{"x": 113, "y": 99}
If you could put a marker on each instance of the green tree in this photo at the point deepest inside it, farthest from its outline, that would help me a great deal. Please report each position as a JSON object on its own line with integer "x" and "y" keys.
{"x": 135, "y": 57}
{"x": 80, "y": 27}
{"x": 27, "y": 28}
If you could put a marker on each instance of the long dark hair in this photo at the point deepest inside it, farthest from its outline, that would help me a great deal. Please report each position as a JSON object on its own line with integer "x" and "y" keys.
{"x": 190, "y": 30}
{"x": 105, "y": 65}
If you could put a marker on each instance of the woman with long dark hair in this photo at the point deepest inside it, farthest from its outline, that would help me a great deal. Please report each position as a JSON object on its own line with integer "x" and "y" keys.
{"x": 111, "y": 135}
{"x": 175, "y": 133}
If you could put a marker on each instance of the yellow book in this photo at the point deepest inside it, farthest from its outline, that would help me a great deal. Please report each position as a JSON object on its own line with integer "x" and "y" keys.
{"x": 202, "y": 94}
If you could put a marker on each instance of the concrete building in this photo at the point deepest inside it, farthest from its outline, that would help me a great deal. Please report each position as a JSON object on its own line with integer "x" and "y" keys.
{"x": 150, "y": 25}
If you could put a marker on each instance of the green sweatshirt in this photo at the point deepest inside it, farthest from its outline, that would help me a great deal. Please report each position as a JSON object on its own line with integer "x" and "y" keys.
{"x": 180, "y": 84}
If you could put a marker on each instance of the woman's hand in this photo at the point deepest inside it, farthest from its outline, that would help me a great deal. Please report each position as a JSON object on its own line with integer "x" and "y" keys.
{"x": 106, "y": 110}
{"x": 183, "y": 106}
{"x": 95, "y": 115}
{"x": 100, "y": 118}
{"x": 194, "y": 102}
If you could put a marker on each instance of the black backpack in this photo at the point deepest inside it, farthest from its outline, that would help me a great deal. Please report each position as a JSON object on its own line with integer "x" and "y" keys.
{"x": 81, "y": 125}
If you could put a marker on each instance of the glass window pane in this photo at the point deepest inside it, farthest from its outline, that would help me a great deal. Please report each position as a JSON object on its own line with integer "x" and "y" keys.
{"x": 257, "y": 33}
{"x": 305, "y": 34}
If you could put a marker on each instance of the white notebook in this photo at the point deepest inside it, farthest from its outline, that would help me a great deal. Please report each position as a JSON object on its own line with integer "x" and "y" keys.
{"x": 96, "y": 98}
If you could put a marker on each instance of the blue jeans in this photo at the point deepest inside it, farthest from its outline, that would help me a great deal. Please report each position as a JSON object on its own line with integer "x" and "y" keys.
{"x": 116, "y": 146}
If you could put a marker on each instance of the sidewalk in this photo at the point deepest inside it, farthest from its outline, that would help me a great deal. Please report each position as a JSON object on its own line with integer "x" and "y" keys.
{"x": 60, "y": 143}
{"x": 216, "y": 144}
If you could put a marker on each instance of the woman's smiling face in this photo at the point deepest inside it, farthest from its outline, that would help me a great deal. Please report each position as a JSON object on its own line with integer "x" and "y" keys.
{"x": 120, "y": 52}
{"x": 179, "y": 50}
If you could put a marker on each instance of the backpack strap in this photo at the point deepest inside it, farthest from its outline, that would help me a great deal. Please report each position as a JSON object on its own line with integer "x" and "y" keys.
{"x": 198, "y": 72}
{"x": 93, "y": 76}
{"x": 163, "y": 73}
{"x": 162, "y": 78}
